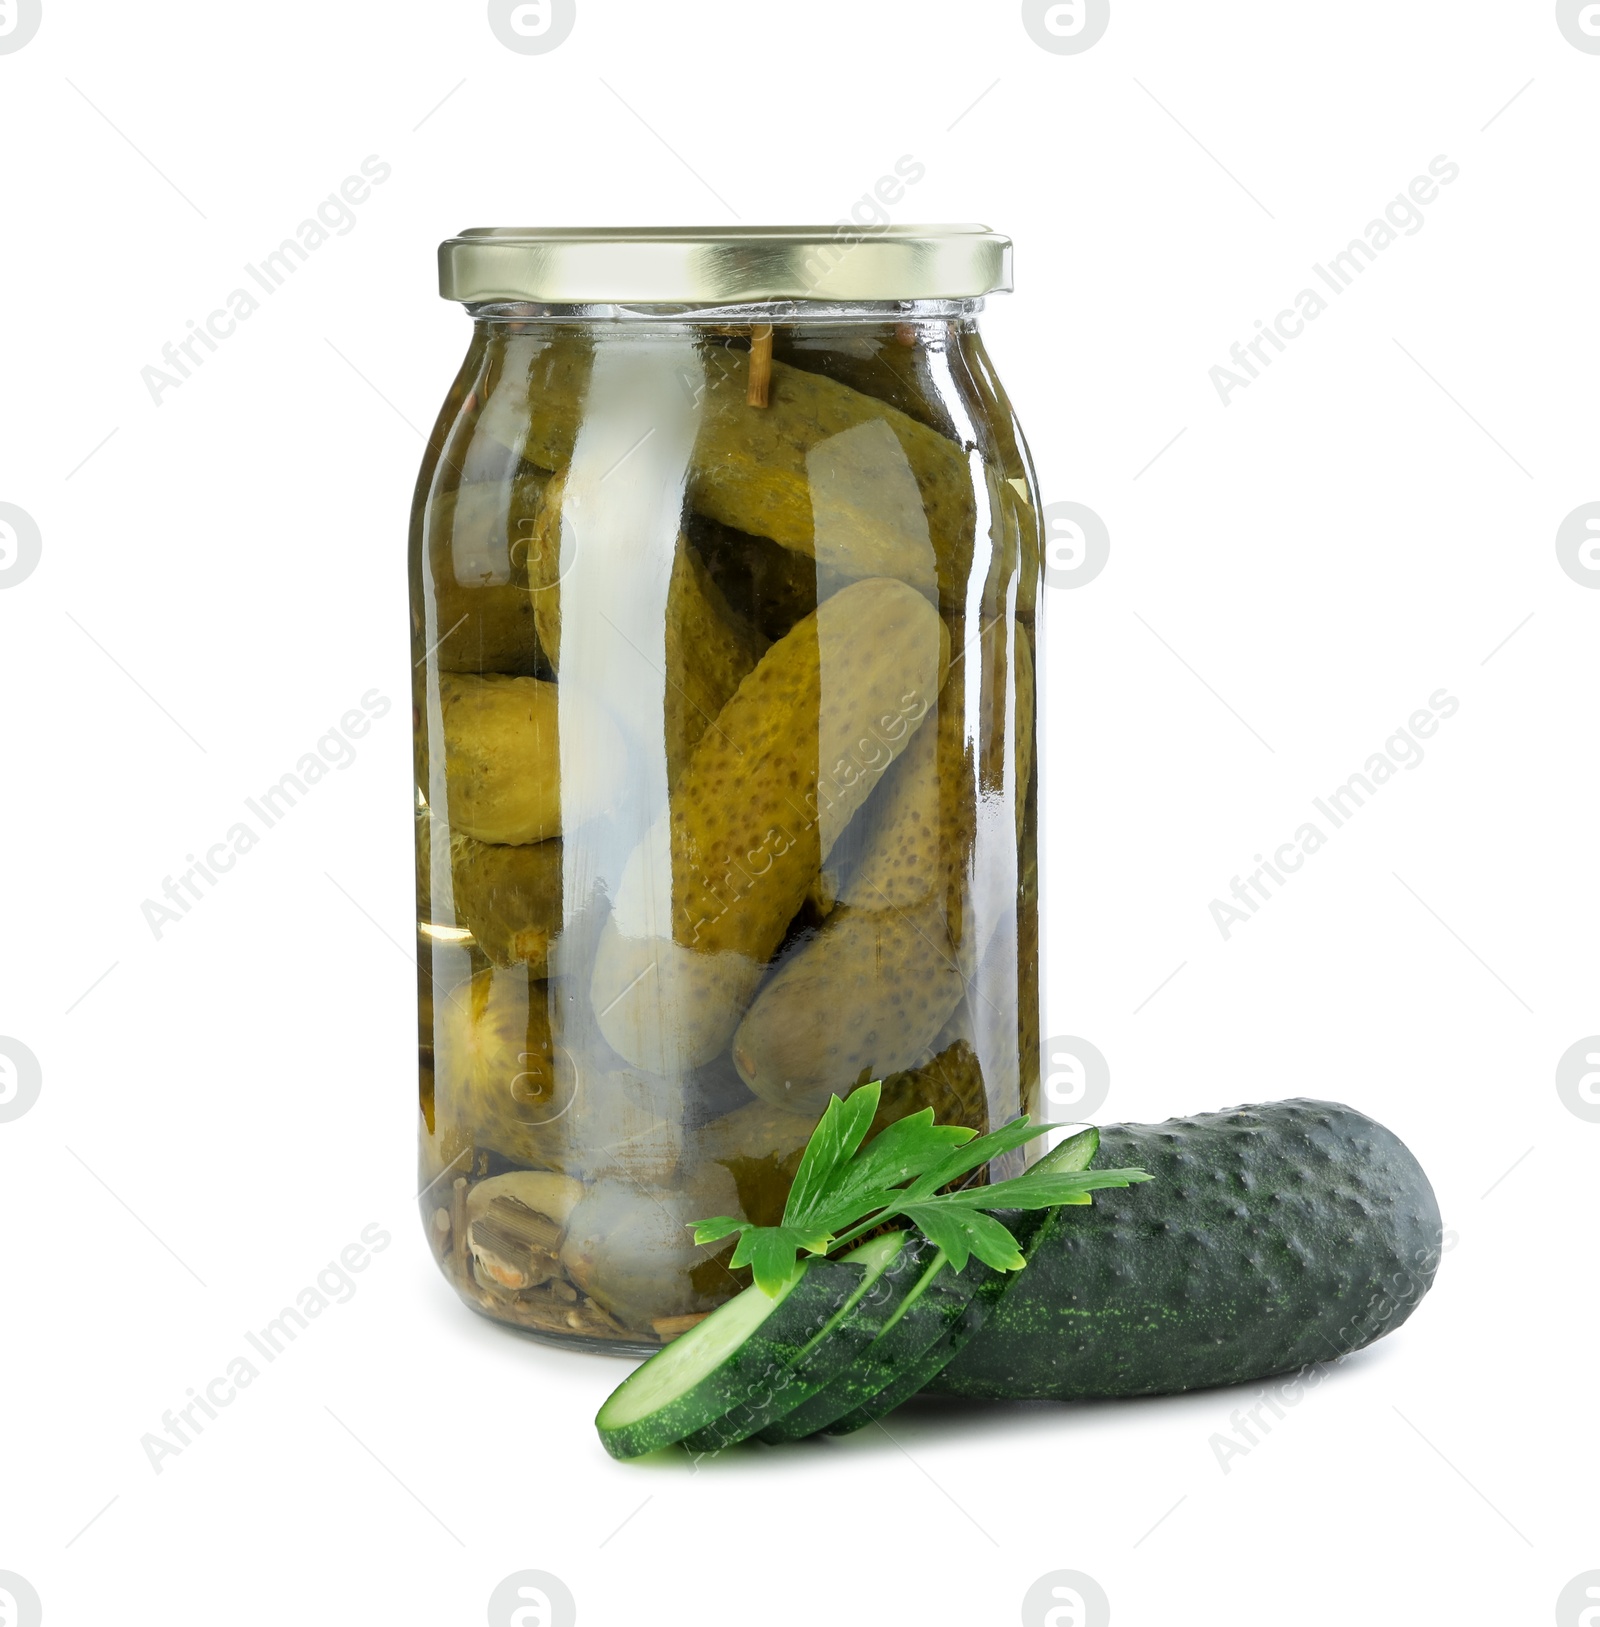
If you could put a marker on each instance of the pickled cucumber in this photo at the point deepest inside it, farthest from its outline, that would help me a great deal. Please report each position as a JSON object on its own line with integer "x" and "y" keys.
{"x": 706, "y": 897}
{"x": 760, "y": 1146}
{"x": 499, "y": 1082}
{"x": 865, "y": 995}
{"x": 951, "y": 1084}
{"x": 869, "y": 992}
{"x": 508, "y": 1082}
{"x": 509, "y": 898}
{"x": 909, "y": 369}
{"x": 503, "y": 760}
{"x": 823, "y": 469}
{"x": 767, "y": 584}
{"x": 544, "y": 569}
{"x": 708, "y": 649}
{"x": 709, "y": 652}
{"x": 832, "y": 473}
{"x": 476, "y": 550}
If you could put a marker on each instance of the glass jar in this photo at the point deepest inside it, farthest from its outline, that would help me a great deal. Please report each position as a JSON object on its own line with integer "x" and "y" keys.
{"x": 724, "y": 589}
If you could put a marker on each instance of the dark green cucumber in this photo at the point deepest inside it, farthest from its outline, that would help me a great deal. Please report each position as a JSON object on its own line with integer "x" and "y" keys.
{"x": 883, "y": 1270}
{"x": 1272, "y": 1236}
{"x": 971, "y": 1295}
{"x": 922, "y": 1316}
{"x": 977, "y": 1290}
{"x": 720, "y": 1364}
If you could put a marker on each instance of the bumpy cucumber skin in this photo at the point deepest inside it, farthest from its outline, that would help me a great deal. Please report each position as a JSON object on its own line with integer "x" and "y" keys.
{"x": 751, "y": 1369}
{"x": 1272, "y": 1236}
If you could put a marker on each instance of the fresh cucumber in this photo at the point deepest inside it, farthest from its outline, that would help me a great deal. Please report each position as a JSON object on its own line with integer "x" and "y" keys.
{"x": 958, "y": 1302}
{"x": 735, "y": 1356}
{"x": 924, "y": 1315}
{"x": 1271, "y": 1237}
{"x": 886, "y": 1268}
{"x": 969, "y": 1297}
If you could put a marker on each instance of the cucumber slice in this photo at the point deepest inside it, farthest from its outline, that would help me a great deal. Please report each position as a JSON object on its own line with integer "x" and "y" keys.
{"x": 1074, "y": 1154}
{"x": 738, "y": 1353}
{"x": 759, "y": 1359}
{"x": 930, "y": 1309}
{"x": 882, "y": 1281}
{"x": 984, "y": 1287}
{"x": 965, "y": 1303}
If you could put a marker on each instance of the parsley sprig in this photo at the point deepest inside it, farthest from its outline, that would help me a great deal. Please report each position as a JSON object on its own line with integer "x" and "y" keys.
{"x": 846, "y": 1186}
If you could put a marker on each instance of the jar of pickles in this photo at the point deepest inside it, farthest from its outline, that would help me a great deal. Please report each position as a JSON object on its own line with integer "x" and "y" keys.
{"x": 724, "y": 589}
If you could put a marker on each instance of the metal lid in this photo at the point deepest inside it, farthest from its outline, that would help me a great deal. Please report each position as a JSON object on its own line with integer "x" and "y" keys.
{"x": 722, "y": 264}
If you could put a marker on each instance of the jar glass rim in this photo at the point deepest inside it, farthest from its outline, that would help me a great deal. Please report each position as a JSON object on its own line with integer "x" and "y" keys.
{"x": 755, "y": 313}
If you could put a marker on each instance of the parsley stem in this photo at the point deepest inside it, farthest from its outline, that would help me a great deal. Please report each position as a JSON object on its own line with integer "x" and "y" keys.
{"x": 861, "y": 1228}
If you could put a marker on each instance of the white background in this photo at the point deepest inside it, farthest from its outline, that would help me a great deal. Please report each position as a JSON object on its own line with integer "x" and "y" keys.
{"x": 1297, "y": 572}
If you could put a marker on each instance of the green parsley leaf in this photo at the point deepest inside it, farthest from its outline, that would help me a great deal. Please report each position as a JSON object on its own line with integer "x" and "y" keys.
{"x": 1042, "y": 1189}
{"x": 897, "y": 1153}
{"x": 847, "y": 1186}
{"x": 961, "y": 1231}
{"x": 973, "y": 1155}
{"x": 841, "y": 1129}
{"x": 718, "y": 1227}
{"x": 770, "y": 1252}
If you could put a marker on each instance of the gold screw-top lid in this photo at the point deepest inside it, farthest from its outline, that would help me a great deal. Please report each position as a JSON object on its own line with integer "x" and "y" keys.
{"x": 722, "y": 265}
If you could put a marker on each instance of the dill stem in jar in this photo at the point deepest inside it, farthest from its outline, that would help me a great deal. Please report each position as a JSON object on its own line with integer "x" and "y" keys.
{"x": 760, "y": 365}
